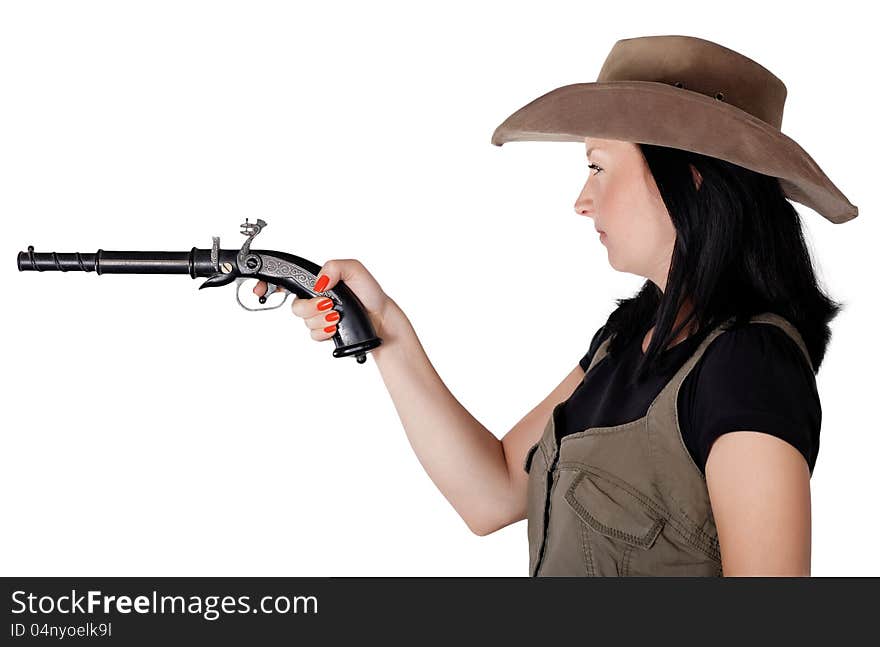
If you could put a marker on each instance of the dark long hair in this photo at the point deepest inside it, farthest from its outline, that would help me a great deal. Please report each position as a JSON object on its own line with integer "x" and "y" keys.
{"x": 739, "y": 251}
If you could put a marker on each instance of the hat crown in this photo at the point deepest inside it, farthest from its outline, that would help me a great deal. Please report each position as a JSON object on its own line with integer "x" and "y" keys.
{"x": 698, "y": 65}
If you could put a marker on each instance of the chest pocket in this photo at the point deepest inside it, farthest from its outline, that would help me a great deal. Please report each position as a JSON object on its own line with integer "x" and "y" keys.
{"x": 619, "y": 528}
{"x": 613, "y": 510}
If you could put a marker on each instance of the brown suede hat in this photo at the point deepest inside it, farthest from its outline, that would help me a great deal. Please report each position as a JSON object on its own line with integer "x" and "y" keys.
{"x": 688, "y": 93}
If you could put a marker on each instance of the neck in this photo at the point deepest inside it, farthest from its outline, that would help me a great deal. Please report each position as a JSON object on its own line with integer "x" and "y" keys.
{"x": 683, "y": 312}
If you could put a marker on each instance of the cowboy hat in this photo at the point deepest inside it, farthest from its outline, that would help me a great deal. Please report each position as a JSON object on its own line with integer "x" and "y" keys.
{"x": 687, "y": 93}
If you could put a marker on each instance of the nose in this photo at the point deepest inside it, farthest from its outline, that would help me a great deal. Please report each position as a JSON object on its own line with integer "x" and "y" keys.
{"x": 584, "y": 206}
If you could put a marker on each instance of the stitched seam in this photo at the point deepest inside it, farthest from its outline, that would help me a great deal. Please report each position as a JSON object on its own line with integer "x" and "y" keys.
{"x": 696, "y": 538}
{"x": 627, "y": 555}
{"x": 601, "y": 431}
{"x": 544, "y": 452}
{"x": 588, "y": 554}
{"x": 678, "y": 430}
{"x": 577, "y": 466}
{"x": 699, "y": 540}
{"x": 694, "y": 535}
{"x": 703, "y": 541}
{"x": 644, "y": 541}
{"x": 675, "y": 384}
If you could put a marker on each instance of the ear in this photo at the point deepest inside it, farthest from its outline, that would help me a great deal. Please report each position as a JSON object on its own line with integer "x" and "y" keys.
{"x": 698, "y": 179}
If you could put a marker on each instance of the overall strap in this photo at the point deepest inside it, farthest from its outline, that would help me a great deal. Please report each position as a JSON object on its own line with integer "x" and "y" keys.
{"x": 766, "y": 317}
{"x": 790, "y": 330}
{"x": 601, "y": 351}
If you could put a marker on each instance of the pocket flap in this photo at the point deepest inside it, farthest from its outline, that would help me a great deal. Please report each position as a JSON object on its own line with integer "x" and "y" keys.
{"x": 612, "y": 510}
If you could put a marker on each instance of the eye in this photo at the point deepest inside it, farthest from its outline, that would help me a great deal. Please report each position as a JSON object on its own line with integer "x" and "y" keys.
{"x": 594, "y": 166}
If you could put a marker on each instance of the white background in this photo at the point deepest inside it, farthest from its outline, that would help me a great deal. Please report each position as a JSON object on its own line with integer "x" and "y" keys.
{"x": 153, "y": 429}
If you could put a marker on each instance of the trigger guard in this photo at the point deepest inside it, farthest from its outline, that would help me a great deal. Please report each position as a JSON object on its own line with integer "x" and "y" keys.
{"x": 240, "y": 280}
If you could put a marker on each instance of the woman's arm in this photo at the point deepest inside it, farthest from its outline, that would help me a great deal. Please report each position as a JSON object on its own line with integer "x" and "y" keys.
{"x": 759, "y": 486}
{"x": 480, "y": 475}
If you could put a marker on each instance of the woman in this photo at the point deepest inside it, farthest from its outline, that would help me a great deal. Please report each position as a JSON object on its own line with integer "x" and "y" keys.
{"x": 684, "y": 440}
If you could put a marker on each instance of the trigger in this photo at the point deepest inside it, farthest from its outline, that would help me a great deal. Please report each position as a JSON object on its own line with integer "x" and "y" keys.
{"x": 270, "y": 288}
{"x": 242, "y": 280}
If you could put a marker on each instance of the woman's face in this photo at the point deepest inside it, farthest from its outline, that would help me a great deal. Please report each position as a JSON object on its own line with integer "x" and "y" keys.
{"x": 623, "y": 200}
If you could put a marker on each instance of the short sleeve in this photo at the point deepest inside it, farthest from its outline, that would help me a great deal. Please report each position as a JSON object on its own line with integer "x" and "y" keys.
{"x": 594, "y": 344}
{"x": 754, "y": 378}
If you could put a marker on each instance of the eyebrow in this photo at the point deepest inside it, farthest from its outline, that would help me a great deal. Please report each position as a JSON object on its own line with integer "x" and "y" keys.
{"x": 593, "y": 148}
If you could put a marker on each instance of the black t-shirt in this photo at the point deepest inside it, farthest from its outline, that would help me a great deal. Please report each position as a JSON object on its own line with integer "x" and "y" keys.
{"x": 753, "y": 378}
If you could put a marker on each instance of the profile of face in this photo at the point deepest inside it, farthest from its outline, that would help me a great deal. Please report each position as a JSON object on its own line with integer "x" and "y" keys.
{"x": 621, "y": 197}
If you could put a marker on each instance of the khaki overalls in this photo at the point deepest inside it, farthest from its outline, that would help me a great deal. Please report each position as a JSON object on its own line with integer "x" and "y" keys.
{"x": 627, "y": 499}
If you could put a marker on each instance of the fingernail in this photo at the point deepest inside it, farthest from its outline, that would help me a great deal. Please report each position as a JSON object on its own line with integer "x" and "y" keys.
{"x": 330, "y": 329}
{"x": 321, "y": 283}
{"x": 326, "y": 303}
{"x": 333, "y": 316}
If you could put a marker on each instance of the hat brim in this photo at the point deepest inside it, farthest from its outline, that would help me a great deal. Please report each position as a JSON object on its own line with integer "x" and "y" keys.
{"x": 657, "y": 113}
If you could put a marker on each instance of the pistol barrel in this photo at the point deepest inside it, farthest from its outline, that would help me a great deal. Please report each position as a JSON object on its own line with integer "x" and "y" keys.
{"x": 196, "y": 262}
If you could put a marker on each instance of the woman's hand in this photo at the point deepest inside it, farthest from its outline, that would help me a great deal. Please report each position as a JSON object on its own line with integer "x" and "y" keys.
{"x": 317, "y": 312}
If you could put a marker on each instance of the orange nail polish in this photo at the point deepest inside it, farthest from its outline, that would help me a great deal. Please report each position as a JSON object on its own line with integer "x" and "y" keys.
{"x": 330, "y": 329}
{"x": 333, "y": 316}
{"x": 321, "y": 283}
{"x": 325, "y": 304}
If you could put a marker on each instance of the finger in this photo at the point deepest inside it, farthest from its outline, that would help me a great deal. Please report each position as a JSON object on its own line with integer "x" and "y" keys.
{"x": 331, "y": 273}
{"x": 309, "y": 307}
{"x": 322, "y": 335}
{"x": 260, "y": 288}
{"x": 322, "y": 320}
